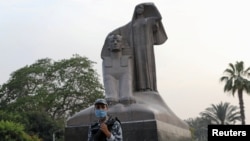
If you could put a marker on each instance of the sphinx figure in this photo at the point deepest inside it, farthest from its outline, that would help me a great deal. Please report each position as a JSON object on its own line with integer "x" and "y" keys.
{"x": 118, "y": 71}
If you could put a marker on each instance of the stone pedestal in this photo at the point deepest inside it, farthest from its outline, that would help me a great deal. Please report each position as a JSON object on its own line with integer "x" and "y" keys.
{"x": 149, "y": 119}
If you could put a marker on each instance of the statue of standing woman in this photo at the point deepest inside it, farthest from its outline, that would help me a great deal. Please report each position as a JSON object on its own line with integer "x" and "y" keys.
{"x": 147, "y": 31}
{"x": 141, "y": 34}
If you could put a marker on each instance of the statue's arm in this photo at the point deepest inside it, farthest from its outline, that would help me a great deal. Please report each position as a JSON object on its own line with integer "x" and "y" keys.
{"x": 154, "y": 21}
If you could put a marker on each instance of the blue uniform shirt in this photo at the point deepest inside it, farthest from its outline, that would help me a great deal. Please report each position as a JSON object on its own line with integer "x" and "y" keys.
{"x": 116, "y": 132}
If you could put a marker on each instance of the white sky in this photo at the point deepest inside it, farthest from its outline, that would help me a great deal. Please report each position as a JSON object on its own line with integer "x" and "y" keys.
{"x": 204, "y": 36}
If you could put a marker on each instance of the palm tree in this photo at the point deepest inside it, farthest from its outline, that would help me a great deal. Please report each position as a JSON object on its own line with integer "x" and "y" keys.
{"x": 235, "y": 80}
{"x": 222, "y": 113}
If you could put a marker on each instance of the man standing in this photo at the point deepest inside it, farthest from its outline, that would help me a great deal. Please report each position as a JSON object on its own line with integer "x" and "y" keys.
{"x": 106, "y": 128}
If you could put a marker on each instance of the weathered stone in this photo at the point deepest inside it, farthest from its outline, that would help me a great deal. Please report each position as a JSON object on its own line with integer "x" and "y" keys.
{"x": 149, "y": 119}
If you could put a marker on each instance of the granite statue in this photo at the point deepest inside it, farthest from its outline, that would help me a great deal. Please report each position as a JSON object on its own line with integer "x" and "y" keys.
{"x": 143, "y": 32}
{"x": 129, "y": 76}
{"x": 118, "y": 70}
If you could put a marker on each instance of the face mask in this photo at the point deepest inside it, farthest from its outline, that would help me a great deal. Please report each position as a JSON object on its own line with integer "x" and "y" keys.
{"x": 100, "y": 113}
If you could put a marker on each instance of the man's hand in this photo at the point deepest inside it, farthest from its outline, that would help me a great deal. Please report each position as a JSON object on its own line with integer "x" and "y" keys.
{"x": 105, "y": 130}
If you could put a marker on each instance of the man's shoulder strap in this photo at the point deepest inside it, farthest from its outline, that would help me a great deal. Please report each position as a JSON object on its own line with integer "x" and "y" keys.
{"x": 112, "y": 120}
{"x": 118, "y": 120}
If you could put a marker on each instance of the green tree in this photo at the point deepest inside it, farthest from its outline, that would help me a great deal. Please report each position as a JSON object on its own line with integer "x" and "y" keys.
{"x": 36, "y": 123}
{"x": 198, "y": 127}
{"x": 11, "y": 131}
{"x": 40, "y": 124}
{"x": 222, "y": 113}
{"x": 10, "y": 116}
{"x": 42, "y": 95}
{"x": 235, "y": 79}
{"x": 59, "y": 88}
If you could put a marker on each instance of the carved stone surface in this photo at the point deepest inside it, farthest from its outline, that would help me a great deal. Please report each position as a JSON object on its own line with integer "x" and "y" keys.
{"x": 141, "y": 34}
{"x": 130, "y": 84}
{"x": 118, "y": 70}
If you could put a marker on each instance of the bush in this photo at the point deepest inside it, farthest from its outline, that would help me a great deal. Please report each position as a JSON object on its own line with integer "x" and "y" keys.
{"x": 11, "y": 131}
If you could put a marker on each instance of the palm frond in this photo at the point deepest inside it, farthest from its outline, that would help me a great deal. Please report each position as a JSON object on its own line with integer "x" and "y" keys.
{"x": 232, "y": 66}
{"x": 230, "y": 72}
{"x": 223, "y": 78}
{"x": 222, "y": 113}
{"x": 247, "y": 72}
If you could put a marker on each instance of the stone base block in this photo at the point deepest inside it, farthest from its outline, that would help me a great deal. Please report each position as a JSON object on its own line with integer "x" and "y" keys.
{"x": 146, "y": 130}
{"x": 149, "y": 119}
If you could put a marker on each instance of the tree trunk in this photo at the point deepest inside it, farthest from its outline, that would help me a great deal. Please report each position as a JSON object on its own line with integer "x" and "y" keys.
{"x": 241, "y": 103}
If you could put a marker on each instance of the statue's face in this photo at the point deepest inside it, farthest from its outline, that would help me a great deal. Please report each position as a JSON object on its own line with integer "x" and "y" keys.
{"x": 140, "y": 9}
{"x": 115, "y": 43}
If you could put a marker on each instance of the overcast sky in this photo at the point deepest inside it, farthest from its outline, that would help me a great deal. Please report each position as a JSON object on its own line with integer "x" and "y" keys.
{"x": 203, "y": 38}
